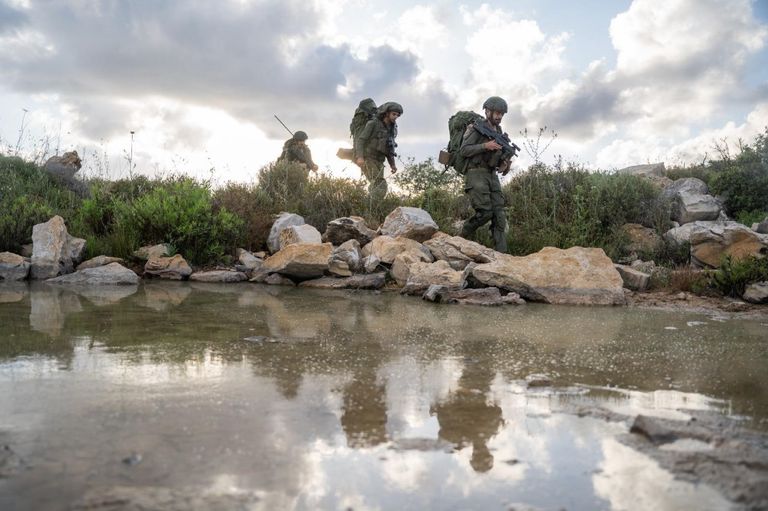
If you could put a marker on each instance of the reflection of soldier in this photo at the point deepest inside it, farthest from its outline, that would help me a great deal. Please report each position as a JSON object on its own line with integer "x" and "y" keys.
{"x": 375, "y": 144}
{"x": 467, "y": 417}
{"x": 295, "y": 149}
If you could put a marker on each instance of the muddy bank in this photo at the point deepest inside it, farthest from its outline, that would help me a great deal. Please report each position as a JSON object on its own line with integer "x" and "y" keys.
{"x": 689, "y": 302}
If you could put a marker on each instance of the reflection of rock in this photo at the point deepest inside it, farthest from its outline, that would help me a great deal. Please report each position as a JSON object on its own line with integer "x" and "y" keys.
{"x": 370, "y": 281}
{"x": 13, "y": 267}
{"x": 160, "y": 296}
{"x": 112, "y": 274}
{"x": 104, "y": 295}
{"x": 168, "y": 499}
{"x": 49, "y": 308}
{"x": 12, "y": 292}
{"x": 583, "y": 276}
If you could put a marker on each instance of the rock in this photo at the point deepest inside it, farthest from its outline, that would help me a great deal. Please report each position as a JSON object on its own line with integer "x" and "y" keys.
{"x": 633, "y": 279}
{"x": 275, "y": 279}
{"x": 762, "y": 227}
{"x": 282, "y": 221}
{"x": 26, "y": 250}
{"x": 339, "y": 268}
{"x": 371, "y": 264}
{"x": 300, "y": 260}
{"x": 756, "y": 293}
{"x": 584, "y": 276}
{"x": 692, "y": 207}
{"x": 678, "y": 236}
{"x": 370, "y": 281}
{"x": 150, "y": 251}
{"x": 112, "y": 274}
{"x": 711, "y": 243}
{"x": 225, "y": 276}
{"x": 401, "y": 266}
{"x": 459, "y": 252}
{"x": 422, "y": 275}
{"x": 261, "y": 255}
{"x": 386, "y": 248}
{"x": 348, "y": 228}
{"x": 13, "y": 267}
{"x": 687, "y": 185}
{"x": 485, "y": 296}
{"x": 248, "y": 260}
{"x": 304, "y": 233}
{"x": 54, "y": 251}
{"x": 641, "y": 240}
{"x": 412, "y": 223}
{"x": 97, "y": 261}
{"x": 64, "y": 166}
{"x": 172, "y": 268}
{"x": 652, "y": 169}
{"x": 349, "y": 254}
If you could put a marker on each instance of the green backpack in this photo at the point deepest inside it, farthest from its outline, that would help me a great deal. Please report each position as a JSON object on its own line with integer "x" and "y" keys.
{"x": 457, "y": 125}
{"x": 365, "y": 111}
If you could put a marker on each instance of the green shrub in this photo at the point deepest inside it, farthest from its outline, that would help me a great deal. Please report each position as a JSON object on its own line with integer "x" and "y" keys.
{"x": 253, "y": 206}
{"x": 733, "y": 275}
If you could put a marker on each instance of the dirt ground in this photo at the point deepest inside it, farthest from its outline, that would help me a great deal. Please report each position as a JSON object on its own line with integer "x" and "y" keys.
{"x": 689, "y": 302}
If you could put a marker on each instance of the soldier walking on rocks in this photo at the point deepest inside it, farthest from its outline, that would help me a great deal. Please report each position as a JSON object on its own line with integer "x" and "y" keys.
{"x": 377, "y": 143}
{"x": 481, "y": 182}
{"x": 295, "y": 149}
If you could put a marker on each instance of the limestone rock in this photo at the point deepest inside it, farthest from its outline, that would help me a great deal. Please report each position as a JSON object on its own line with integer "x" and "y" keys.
{"x": 172, "y": 268}
{"x": 422, "y": 275}
{"x": 709, "y": 245}
{"x": 386, "y": 249}
{"x": 54, "y": 251}
{"x": 408, "y": 222}
{"x": 300, "y": 260}
{"x": 112, "y": 274}
{"x": 13, "y": 267}
{"x": 304, "y": 233}
{"x": 339, "y": 268}
{"x": 371, "y": 264}
{"x": 756, "y": 293}
{"x": 348, "y": 228}
{"x": 652, "y": 169}
{"x": 64, "y": 166}
{"x": 275, "y": 279}
{"x": 762, "y": 227}
{"x": 692, "y": 207}
{"x": 633, "y": 279}
{"x": 577, "y": 275}
{"x": 687, "y": 185}
{"x": 97, "y": 261}
{"x": 224, "y": 276}
{"x": 370, "y": 281}
{"x": 641, "y": 240}
{"x": 483, "y": 296}
{"x": 459, "y": 252}
{"x": 678, "y": 236}
{"x": 248, "y": 260}
{"x": 148, "y": 252}
{"x": 26, "y": 250}
{"x": 282, "y": 221}
{"x": 401, "y": 267}
{"x": 348, "y": 253}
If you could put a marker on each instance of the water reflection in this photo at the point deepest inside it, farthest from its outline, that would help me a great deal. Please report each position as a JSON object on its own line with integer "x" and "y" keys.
{"x": 363, "y": 400}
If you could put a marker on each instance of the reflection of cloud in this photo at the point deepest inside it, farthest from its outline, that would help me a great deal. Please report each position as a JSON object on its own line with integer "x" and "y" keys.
{"x": 632, "y": 481}
{"x": 407, "y": 471}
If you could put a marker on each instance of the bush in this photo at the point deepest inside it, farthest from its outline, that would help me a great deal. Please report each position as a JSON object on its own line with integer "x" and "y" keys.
{"x": 734, "y": 275}
{"x": 253, "y": 206}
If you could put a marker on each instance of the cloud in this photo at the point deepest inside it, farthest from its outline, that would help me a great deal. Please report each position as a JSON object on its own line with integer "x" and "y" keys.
{"x": 10, "y": 18}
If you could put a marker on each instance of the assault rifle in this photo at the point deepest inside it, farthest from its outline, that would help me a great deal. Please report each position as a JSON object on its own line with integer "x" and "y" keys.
{"x": 508, "y": 148}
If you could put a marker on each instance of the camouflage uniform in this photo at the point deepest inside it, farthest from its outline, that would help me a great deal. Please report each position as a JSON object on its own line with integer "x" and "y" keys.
{"x": 481, "y": 183}
{"x": 371, "y": 144}
{"x": 294, "y": 151}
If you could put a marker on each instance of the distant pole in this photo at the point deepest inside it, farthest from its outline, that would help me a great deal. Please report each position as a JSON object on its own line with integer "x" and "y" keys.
{"x": 130, "y": 160}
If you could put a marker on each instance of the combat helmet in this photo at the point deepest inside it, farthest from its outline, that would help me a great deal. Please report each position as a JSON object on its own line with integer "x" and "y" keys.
{"x": 390, "y": 106}
{"x": 300, "y": 136}
{"x": 496, "y": 104}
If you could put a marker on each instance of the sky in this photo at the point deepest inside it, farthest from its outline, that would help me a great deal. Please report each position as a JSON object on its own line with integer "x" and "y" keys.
{"x": 198, "y": 83}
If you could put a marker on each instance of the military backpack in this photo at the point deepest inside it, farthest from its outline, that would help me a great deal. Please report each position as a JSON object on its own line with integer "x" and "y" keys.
{"x": 457, "y": 125}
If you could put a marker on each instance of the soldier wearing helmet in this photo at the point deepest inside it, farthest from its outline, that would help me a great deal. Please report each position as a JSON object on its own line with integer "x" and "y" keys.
{"x": 481, "y": 182}
{"x": 375, "y": 144}
{"x": 295, "y": 149}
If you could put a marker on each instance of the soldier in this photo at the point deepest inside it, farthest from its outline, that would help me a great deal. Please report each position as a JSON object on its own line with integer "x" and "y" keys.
{"x": 377, "y": 143}
{"x": 481, "y": 182}
{"x": 296, "y": 149}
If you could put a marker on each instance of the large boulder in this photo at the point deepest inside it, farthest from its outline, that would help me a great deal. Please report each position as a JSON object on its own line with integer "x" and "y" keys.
{"x": 710, "y": 244}
{"x": 692, "y": 207}
{"x": 171, "y": 268}
{"x": 422, "y": 275}
{"x": 584, "y": 276}
{"x": 641, "y": 240}
{"x": 223, "y": 276}
{"x": 282, "y": 221}
{"x": 761, "y": 227}
{"x": 54, "y": 251}
{"x": 651, "y": 169}
{"x": 401, "y": 266}
{"x": 370, "y": 281}
{"x": 248, "y": 260}
{"x": 408, "y": 222}
{"x": 97, "y": 261}
{"x": 112, "y": 274}
{"x": 348, "y": 253}
{"x": 386, "y": 248}
{"x": 679, "y": 236}
{"x": 756, "y": 293}
{"x": 687, "y": 185}
{"x": 635, "y": 280}
{"x": 300, "y": 260}
{"x": 148, "y": 252}
{"x": 64, "y": 166}
{"x": 459, "y": 252}
{"x": 348, "y": 228}
{"x": 13, "y": 267}
{"x": 298, "y": 234}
